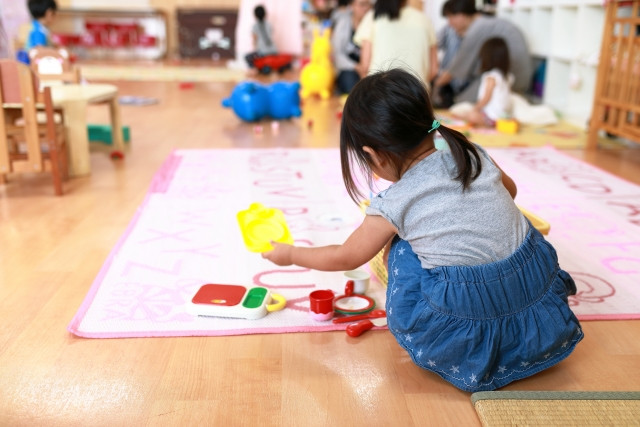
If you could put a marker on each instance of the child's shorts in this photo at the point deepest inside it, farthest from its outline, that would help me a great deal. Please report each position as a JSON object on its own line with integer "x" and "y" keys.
{"x": 482, "y": 327}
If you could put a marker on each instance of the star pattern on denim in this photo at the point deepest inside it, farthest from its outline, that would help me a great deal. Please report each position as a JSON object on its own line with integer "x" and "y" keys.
{"x": 458, "y": 372}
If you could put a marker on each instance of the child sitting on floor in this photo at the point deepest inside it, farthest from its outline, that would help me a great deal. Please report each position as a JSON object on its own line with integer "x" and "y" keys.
{"x": 262, "y": 37}
{"x": 494, "y": 94}
{"x": 475, "y": 293}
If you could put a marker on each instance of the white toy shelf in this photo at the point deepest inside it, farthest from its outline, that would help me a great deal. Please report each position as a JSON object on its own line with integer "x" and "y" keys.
{"x": 567, "y": 34}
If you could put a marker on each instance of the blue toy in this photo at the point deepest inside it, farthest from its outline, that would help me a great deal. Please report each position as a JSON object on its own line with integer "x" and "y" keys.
{"x": 252, "y": 101}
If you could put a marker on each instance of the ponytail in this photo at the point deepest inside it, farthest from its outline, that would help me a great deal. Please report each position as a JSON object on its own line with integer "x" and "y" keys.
{"x": 465, "y": 155}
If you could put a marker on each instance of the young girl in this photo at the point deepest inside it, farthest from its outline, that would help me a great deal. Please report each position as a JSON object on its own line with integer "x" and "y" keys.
{"x": 262, "y": 33}
{"x": 475, "y": 293}
{"x": 494, "y": 94}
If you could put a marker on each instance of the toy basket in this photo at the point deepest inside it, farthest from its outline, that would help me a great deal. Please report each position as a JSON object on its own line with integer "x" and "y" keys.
{"x": 540, "y": 224}
{"x": 378, "y": 268}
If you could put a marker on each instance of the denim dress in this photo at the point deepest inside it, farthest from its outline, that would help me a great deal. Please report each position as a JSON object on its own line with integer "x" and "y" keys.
{"x": 484, "y": 326}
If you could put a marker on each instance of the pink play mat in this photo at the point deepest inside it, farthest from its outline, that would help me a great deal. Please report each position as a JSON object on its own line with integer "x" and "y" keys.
{"x": 185, "y": 235}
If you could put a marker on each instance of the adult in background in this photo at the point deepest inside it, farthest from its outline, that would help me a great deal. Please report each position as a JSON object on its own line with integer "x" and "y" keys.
{"x": 448, "y": 44}
{"x": 346, "y": 54}
{"x": 396, "y": 35}
{"x": 475, "y": 29}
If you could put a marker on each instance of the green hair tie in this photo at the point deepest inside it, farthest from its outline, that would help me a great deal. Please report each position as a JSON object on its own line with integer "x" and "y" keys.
{"x": 435, "y": 125}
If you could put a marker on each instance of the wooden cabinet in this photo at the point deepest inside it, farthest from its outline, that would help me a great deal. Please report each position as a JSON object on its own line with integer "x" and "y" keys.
{"x": 206, "y": 33}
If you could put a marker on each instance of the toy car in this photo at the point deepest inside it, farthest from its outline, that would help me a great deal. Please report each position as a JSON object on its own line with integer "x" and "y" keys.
{"x": 280, "y": 62}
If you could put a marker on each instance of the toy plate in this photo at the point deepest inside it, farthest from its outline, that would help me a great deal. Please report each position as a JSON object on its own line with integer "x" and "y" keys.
{"x": 260, "y": 226}
{"x": 353, "y": 304}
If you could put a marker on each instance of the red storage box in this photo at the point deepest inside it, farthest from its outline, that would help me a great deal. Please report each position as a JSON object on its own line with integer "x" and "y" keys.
{"x": 146, "y": 40}
{"x": 62, "y": 39}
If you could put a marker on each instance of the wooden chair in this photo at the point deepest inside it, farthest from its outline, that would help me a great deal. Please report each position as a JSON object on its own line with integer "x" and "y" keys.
{"x": 22, "y": 138}
{"x": 53, "y": 64}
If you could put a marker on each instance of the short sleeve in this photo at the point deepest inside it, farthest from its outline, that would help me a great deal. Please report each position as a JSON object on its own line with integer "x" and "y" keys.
{"x": 388, "y": 205}
{"x": 37, "y": 38}
{"x": 364, "y": 32}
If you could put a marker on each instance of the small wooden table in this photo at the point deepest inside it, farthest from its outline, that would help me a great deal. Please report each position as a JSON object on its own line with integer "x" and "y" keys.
{"x": 74, "y": 100}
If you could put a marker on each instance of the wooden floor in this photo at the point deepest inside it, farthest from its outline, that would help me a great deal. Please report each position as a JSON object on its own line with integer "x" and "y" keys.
{"x": 52, "y": 248}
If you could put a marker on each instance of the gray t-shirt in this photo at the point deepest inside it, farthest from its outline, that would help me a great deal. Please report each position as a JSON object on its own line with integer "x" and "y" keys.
{"x": 264, "y": 38}
{"x": 446, "y": 226}
{"x": 465, "y": 65}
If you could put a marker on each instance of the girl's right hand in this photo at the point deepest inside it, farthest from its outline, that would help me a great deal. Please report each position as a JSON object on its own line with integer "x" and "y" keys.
{"x": 280, "y": 255}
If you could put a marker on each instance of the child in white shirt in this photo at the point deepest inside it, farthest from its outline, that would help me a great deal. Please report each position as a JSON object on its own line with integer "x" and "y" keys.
{"x": 494, "y": 95}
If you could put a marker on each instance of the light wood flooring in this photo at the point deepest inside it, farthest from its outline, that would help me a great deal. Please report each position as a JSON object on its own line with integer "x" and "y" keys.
{"x": 51, "y": 249}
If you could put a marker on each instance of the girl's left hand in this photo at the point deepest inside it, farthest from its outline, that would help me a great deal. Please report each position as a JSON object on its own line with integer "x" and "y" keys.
{"x": 280, "y": 255}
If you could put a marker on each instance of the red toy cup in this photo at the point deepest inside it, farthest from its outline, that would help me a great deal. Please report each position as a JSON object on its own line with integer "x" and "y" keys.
{"x": 321, "y": 305}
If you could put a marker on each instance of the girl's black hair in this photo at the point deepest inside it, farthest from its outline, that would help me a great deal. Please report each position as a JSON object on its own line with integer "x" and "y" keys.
{"x": 391, "y": 8}
{"x": 494, "y": 53}
{"x": 391, "y": 112}
{"x": 259, "y": 12}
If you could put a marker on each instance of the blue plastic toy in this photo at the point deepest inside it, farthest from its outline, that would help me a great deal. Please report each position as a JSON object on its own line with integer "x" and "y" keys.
{"x": 252, "y": 101}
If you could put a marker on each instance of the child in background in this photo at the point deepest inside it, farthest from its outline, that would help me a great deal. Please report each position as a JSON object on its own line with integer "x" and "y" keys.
{"x": 43, "y": 13}
{"x": 262, "y": 37}
{"x": 494, "y": 95}
{"x": 475, "y": 293}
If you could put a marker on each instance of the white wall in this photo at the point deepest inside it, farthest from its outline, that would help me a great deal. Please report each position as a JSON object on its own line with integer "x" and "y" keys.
{"x": 14, "y": 14}
{"x": 433, "y": 9}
